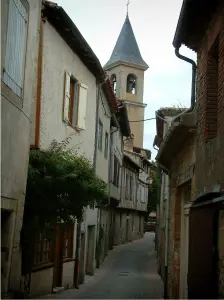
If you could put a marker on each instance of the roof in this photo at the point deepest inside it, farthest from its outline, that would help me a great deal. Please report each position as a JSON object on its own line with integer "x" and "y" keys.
{"x": 134, "y": 164}
{"x": 110, "y": 96}
{"x": 69, "y": 32}
{"x": 177, "y": 135}
{"x": 193, "y": 22}
{"x": 138, "y": 150}
{"x": 160, "y": 115}
{"x": 126, "y": 49}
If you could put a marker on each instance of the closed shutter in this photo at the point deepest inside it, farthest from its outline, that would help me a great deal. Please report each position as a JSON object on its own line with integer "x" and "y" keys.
{"x": 15, "y": 47}
{"x": 66, "y": 98}
{"x": 83, "y": 91}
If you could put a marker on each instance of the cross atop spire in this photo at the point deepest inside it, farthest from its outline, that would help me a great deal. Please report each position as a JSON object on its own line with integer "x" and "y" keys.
{"x": 127, "y": 6}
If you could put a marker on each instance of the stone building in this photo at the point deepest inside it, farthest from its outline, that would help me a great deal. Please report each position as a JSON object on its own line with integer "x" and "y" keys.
{"x": 126, "y": 69}
{"x": 164, "y": 117}
{"x": 69, "y": 77}
{"x": 196, "y": 244}
{"x": 19, "y": 52}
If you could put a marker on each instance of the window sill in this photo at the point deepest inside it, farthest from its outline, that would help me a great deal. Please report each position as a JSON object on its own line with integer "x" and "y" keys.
{"x": 42, "y": 267}
{"x": 65, "y": 260}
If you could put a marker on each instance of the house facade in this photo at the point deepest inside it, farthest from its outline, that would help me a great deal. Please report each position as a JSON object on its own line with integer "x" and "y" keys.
{"x": 68, "y": 82}
{"x": 19, "y": 52}
{"x": 126, "y": 69}
{"x": 195, "y": 226}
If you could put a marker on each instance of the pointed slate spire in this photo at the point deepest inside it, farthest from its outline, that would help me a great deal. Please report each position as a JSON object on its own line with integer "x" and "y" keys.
{"x": 126, "y": 48}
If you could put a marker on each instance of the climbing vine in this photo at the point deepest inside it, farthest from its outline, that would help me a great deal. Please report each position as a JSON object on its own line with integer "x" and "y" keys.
{"x": 60, "y": 185}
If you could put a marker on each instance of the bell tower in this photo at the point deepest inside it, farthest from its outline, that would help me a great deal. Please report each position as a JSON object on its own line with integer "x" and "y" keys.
{"x": 126, "y": 69}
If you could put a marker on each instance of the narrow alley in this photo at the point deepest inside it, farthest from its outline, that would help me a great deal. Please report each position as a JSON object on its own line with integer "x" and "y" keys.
{"x": 129, "y": 272}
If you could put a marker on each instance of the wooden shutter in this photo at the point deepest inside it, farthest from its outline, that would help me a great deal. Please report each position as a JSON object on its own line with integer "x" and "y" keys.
{"x": 15, "y": 47}
{"x": 66, "y": 97}
{"x": 83, "y": 91}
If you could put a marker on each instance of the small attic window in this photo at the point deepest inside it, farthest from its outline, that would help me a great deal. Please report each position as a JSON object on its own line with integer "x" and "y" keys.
{"x": 114, "y": 82}
{"x": 131, "y": 84}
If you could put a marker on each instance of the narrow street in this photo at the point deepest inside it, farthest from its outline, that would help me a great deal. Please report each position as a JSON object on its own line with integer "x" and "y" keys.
{"x": 129, "y": 272}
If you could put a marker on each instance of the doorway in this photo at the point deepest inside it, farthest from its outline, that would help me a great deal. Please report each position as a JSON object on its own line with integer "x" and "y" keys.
{"x": 82, "y": 259}
{"x": 90, "y": 253}
{"x": 58, "y": 260}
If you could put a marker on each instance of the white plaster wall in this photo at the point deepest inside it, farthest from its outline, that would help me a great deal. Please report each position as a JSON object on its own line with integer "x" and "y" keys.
{"x": 102, "y": 163}
{"x": 41, "y": 282}
{"x": 58, "y": 58}
{"x": 68, "y": 274}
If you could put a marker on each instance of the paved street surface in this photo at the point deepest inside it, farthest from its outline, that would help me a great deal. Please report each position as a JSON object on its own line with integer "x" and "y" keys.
{"x": 129, "y": 272}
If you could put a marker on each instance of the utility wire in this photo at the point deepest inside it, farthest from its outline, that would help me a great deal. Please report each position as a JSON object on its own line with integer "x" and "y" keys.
{"x": 143, "y": 120}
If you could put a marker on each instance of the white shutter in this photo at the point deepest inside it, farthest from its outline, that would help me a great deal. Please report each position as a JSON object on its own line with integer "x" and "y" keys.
{"x": 15, "y": 46}
{"x": 66, "y": 97}
{"x": 83, "y": 91}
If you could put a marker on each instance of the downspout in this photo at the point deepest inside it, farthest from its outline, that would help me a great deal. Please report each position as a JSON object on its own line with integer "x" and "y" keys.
{"x": 194, "y": 69}
{"x": 167, "y": 242}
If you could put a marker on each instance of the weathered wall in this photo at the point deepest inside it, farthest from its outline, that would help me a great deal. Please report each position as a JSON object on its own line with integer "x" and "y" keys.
{"x": 221, "y": 253}
{"x": 181, "y": 165}
{"x": 210, "y": 146}
{"x": 58, "y": 58}
{"x": 15, "y": 130}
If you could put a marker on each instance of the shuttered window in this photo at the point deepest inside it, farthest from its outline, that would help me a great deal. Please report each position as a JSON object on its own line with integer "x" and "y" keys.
{"x": 75, "y": 102}
{"x": 15, "y": 46}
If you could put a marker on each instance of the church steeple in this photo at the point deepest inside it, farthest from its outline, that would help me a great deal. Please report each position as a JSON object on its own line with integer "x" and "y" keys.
{"x": 126, "y": 49}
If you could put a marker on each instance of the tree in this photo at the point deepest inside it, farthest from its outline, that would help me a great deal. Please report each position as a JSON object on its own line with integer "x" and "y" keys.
{"x": 60, "y": 185}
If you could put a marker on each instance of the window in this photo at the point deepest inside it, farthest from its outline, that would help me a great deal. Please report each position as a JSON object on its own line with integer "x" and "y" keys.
{"x": 43, "y": 251}
{"x": 75, "y": 101}
{"x": 131, "y": 84}
{"x": 131, "y": 184}
{"x": 13, "y": 71}
{"x": 116, "y": 172}
{"x": 114, "y": 82}
{"x": 100, "y": 135}
{"x": 68, "y": 242}
{"x": 127, "y": 186}
{"x": 211, "y": 104}
{"x": 106, "y": 145}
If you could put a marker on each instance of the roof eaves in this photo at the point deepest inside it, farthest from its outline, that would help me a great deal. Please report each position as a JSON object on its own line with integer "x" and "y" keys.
{"x": 72, "y": 36}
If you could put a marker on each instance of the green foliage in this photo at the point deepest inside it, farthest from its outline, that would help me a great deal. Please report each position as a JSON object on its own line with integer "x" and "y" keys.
{"x": 60, "y": 185}
{"x": 153, "y": 189}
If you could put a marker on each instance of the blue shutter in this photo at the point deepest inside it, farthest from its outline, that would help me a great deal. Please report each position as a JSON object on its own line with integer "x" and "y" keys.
{"x": 15, "y": 46}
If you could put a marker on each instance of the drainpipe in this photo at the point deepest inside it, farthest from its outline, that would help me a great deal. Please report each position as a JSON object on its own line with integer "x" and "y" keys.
{"x": 167, "y": 242}
{"x": 194, "y": 69}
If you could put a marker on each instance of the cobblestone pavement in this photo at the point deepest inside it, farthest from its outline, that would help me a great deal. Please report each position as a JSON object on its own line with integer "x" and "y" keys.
{"x": 129, "y": 272}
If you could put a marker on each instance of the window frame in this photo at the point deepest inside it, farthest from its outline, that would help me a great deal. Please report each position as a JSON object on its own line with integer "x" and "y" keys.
{"x": 68, "y": 232}
{"x": 116, "y": 172}
{"x": 39, "y": 251}
{"x": 100, "y": 135}
{"x": 126, "y": 185}
{"x": 7, "y": 91}
{"x": 127, "y": 84}
{"x": 72, "y": 100}
{"x": 106, "y": 147}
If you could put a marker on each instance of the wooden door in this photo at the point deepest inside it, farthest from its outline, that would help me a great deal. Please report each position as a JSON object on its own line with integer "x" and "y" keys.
{"x": 58, "y": 260}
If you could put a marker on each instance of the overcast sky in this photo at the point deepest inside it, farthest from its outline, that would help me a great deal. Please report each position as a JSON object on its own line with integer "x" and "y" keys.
{"x": 168, "y": 79}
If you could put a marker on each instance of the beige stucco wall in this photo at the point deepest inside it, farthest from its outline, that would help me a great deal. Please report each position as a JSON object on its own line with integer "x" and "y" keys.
{"x": 58, "y": 58}
{"x": 41, "y": 282}
{"x": 15, "y": 130}
{"x": 135, "y": 112}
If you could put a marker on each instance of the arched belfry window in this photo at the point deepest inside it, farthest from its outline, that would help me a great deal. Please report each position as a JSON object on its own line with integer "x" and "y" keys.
{"x": 131, "y": 84}
{"x": 114, "y": 82}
